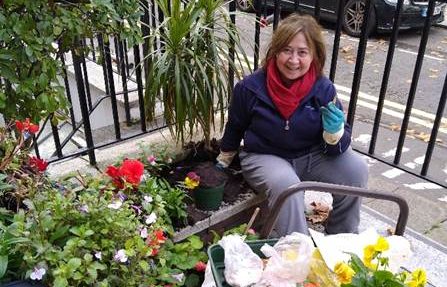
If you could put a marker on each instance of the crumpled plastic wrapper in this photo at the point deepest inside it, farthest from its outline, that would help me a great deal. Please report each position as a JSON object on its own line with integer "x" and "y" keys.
{"x": 319, "y": 272}
{"x": 289, "y": 261}
{"x": 242, "y": 266}
{"x": 335, "y": 248}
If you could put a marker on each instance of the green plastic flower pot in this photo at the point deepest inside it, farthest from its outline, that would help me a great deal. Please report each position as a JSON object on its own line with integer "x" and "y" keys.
{"x": 209, "y": 198}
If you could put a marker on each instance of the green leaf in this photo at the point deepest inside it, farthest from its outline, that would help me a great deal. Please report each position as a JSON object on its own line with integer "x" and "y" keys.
{"x": 60, "y": 281}
{"x": 195, "y": 242}
{"x": 192, "y": 280}
{"x": 3, "y": 265}
{"x": 74, "y": 263}
{"x": 144, "y": 265}
{"x": 59, "y": 233}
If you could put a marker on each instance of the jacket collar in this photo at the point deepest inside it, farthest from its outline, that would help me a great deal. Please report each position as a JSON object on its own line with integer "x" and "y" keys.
{"x": 256, "y": 84}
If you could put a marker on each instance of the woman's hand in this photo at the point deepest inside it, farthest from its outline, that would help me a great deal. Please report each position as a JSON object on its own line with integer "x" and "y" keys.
{"x": 224, "y": 159}
{"x": 333, "y": 118}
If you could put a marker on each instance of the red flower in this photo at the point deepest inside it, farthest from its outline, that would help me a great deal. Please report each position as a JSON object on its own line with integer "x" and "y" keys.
{"x": 160, "y": 236}
{"x": 200, "y": 266}
{"x": 27, "y": 126}
{"x": 115, "y": 174}
{"x": 130, "y": 171}
{"x": 154, "y": 252}
{"x": 37, "y": 163}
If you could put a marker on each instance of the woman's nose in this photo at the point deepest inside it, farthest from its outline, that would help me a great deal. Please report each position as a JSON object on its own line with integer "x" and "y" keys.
{"x": 294, "y": 58}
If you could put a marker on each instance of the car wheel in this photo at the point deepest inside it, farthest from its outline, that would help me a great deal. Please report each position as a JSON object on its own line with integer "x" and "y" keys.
{"x": 353, "y": 16}
{"x": 245, "y": 5}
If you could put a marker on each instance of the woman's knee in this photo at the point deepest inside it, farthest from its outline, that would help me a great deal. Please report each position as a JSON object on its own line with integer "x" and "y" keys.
{"x": 354, "y": 171}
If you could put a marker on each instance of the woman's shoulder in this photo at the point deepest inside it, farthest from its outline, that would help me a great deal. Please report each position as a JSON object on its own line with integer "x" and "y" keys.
{"x": 324, "y": 81}
{"x": 254, "y": 83}
{"x": 254, "y": 79}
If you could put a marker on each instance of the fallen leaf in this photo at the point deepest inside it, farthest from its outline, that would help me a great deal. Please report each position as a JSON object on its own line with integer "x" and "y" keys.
{"x": 390, "y": 231}
{"x": 433, "y": 76}
{"x": 346, "y": 49}
{"x": 423, "y": 136}
{"x": 320, "y": 212}
{"x": 394, "y": 127}
{"x": 434, "y": 70}
{"x": 409, "y": 81}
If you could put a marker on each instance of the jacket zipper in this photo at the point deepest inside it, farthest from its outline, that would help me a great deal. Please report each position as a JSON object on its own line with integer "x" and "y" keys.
{"x": 287, "y": 125}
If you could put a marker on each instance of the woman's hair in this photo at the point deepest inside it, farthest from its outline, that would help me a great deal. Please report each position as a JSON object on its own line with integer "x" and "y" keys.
{"x": 289, "y": 28}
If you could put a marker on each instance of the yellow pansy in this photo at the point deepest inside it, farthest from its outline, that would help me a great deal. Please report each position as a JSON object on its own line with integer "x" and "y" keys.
{"x": 418, "y": 278}
{"x": 381, "y": 245}
{"x": 344, "y": 272}
{"x": 369, "y": 252}
{"x": 191, "y": 183}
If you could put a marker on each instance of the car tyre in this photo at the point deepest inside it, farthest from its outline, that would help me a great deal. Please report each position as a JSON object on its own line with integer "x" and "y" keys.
{"x": 245, "y": 5}
{"x": 353, "y": 16}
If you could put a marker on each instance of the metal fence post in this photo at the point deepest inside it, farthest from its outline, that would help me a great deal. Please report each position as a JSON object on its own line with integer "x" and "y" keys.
{"x": 77, "y": 64}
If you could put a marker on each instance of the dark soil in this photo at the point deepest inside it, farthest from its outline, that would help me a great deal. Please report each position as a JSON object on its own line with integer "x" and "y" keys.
{"x": 202, "y": 161}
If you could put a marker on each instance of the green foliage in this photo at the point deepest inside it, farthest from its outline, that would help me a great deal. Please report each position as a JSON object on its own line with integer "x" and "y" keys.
{"x": 180, "y": 257}
{"x": 32, "y": 36}
{"x": 240, "y": 229}
{"x": 189, "y": 71}
{"x": 171, "y": 200}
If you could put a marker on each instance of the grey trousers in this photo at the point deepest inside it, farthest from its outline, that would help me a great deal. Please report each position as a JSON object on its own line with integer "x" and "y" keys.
{"x": 272, "y": 174}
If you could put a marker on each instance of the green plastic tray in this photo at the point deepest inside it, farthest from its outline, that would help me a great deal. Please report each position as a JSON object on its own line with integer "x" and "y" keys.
{"x": 216, "y": 257}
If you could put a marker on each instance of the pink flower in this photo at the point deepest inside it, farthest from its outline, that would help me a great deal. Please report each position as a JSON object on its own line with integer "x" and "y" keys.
{"x": 200, "y": 266}
{"x": 152, "y": 160}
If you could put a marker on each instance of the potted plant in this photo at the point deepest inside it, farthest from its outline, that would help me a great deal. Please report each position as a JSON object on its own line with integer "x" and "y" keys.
{"x": 207, "y": 185}
{"x": 189, "y": 66}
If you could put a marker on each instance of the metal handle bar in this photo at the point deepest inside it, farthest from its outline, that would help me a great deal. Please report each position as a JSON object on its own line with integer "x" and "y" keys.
{"x": 336, "y": 189}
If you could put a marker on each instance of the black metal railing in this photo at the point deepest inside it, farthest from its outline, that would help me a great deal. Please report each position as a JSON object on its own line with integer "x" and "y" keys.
{"x": 119, "y": 64}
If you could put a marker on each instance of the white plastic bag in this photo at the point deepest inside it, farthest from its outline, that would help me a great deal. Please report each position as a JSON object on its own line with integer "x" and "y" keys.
{"x": 242, "y": 266}
{"x": 209, "y": 278}
{"x": 289, "y": 261}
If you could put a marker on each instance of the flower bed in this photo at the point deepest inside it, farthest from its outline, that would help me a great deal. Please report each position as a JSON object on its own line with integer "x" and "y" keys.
{"x": 118, "y": 229}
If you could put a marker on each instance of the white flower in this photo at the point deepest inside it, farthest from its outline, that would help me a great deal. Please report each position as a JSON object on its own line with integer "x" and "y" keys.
{"x": 179, "y": 277}
{"x": 37, "y": 273}
{"x": 148, "y": 198}
{"x": 120, "y": 256}
{"x": 84, "y": 208}
{"x": 143, "y": 232}
{"x": 151, "y": 218}
{"x": 98, "y": 255}
{"x": 116, "y": 204}
{"x": 169, "y": 160}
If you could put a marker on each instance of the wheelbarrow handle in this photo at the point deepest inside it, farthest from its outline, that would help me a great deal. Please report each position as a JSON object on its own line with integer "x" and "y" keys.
{"x": 336, "y": 189}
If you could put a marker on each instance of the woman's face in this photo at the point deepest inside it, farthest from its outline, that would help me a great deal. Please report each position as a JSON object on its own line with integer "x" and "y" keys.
{"x": 294, "y": 60}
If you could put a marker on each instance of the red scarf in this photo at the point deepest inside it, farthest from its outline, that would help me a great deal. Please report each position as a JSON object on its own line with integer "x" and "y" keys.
{"x": 287, "y": 99}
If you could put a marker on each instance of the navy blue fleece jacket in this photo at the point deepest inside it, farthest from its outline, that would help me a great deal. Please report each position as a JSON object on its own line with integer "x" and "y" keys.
{"x": 254, "y": 118}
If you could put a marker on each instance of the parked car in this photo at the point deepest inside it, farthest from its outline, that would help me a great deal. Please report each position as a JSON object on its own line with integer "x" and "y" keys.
{"x": 412, "y": 16}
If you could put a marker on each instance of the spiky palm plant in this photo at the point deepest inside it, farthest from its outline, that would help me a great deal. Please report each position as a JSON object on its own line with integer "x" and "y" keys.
{"x": 189, "y": 69}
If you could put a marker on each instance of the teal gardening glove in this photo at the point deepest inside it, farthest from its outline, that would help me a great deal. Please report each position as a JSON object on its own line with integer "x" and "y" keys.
{"x": 333, "y": 118}
{"x": 333, "y": 123}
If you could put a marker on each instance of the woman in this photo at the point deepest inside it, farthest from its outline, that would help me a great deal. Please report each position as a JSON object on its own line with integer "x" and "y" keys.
{"x": 293, "y": 128}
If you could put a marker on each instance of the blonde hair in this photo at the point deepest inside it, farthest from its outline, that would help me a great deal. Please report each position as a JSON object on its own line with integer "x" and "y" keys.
{"x": 288, "y": 29}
